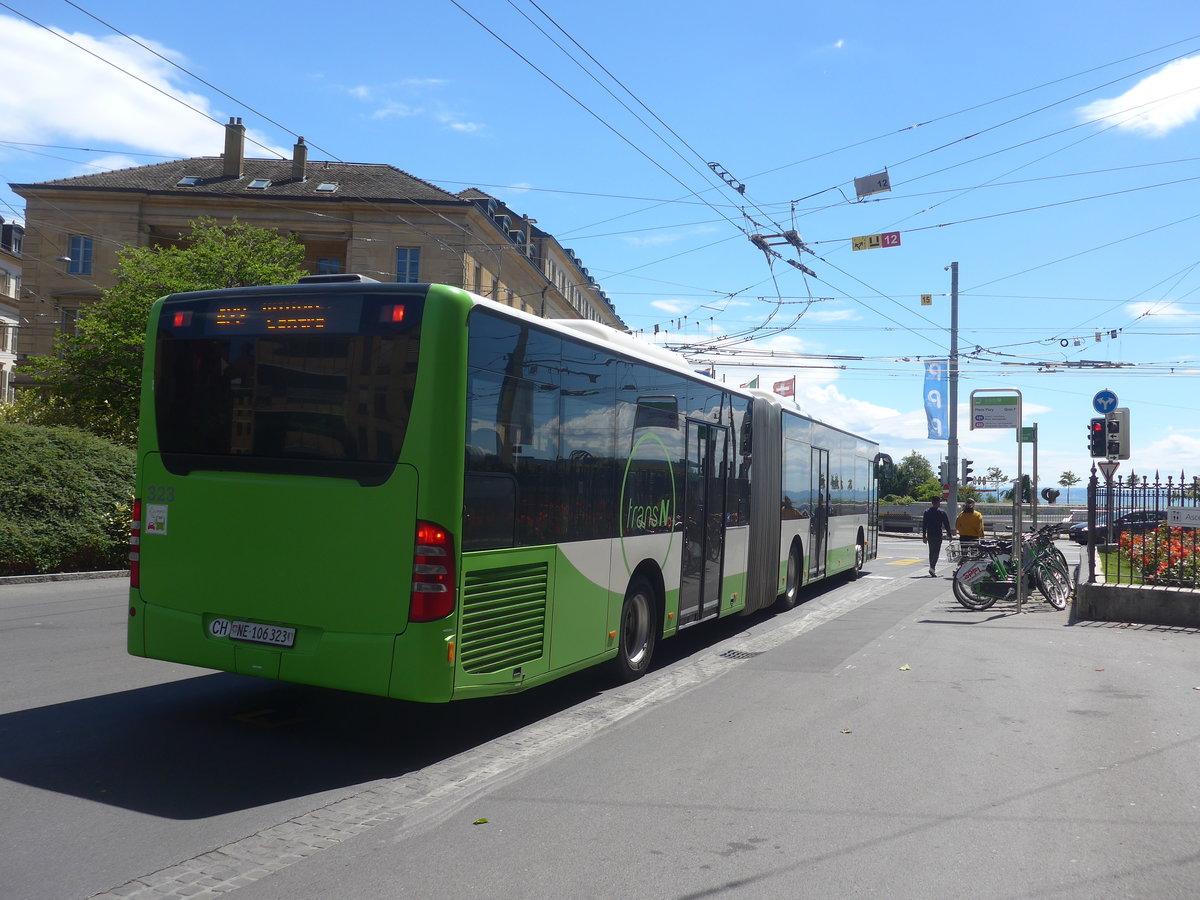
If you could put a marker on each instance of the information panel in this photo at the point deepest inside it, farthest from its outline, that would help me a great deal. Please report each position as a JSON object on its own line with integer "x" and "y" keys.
{"x": 995, "y": 412}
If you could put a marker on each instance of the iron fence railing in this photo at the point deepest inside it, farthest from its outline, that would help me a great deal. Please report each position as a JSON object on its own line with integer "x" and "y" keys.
{"x": 1144, "y": 530}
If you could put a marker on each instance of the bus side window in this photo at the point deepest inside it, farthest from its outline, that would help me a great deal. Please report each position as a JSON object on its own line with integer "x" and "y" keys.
{"x": 489, "y": 510}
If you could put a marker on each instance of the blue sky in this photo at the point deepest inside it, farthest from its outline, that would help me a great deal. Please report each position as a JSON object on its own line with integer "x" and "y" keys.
{"x": 1054, "y": 153}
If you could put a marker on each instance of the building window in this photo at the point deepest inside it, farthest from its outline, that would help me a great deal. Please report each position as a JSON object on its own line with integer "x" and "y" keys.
{"x": 68, "y": 321}
{"x": 478, "y": 279}
{"x": 327, "y": 266}
{"x": 408, "y": 264}
{"x": 80, "y": 253}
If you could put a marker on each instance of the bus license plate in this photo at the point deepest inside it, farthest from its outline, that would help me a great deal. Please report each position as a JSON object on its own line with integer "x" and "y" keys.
{"x": 275, "y": 635}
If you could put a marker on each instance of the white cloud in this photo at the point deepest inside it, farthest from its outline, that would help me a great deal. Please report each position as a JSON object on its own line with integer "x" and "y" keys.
{"x": 413, "y": 98}
{"x": 666, "y": 237}
{"x": 1156, "y": 105}
{"x": 832, "y": 315}
{"x": 672, "y": 307}
{"x": 104, "y": 103}
{"x": 1173, "y": 312}
{"x": 1169, "y": 455}
{"x": 390, "y": 109}
{"x": 69, "y": 95}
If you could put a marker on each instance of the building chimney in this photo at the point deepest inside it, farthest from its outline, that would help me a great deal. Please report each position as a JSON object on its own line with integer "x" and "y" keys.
{"x": 235, "y": 148}
{"x": 299, "y": 160}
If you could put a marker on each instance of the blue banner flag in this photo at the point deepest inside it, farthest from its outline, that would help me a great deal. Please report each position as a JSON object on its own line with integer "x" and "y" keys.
{"x": 937, "y": 377}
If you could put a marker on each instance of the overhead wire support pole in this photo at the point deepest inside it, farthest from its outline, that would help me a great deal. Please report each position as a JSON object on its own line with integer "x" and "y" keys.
{"x": 952, "y": 443}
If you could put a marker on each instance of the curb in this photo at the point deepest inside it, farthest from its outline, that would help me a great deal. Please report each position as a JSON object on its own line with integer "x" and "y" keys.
{"x": 62, "y": 576}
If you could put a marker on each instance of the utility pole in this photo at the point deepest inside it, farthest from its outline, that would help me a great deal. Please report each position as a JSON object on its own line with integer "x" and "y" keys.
{"x": 952, "y": 443}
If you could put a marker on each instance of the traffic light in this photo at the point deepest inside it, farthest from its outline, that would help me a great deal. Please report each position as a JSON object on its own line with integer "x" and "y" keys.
{"x": 1117, "y": 444}
{"x": 1098, "y": 438}
{"x": 966, "y": 471}
{"x": 944, "y": 472}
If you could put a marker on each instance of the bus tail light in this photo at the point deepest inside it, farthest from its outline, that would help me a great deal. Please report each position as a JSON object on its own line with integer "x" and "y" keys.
{"x": 433, "y": 574}
{"x": 135, "y": 546}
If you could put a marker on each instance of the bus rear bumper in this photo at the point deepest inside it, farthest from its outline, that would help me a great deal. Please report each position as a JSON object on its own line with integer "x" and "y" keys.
{"x": 349, "y": 662}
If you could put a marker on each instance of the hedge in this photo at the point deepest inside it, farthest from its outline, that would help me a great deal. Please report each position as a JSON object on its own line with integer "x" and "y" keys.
{"x": 65, "y": 498}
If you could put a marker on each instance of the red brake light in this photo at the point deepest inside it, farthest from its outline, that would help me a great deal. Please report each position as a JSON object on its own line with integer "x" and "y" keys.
{"x": 135, "y": 542}
{"x": 392, "y": 314}
{"x": 182, "y": 319}
{"x": 433, "y": 574}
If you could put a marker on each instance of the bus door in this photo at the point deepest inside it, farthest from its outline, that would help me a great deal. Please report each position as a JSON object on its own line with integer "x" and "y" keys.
{"x": 703, "y": 521}
{"x": 818, "y": 524}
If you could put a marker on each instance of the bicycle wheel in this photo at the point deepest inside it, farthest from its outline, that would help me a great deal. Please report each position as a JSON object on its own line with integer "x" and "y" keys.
{"x": 965, "y": 594}
{"x": 1053, "y": 584}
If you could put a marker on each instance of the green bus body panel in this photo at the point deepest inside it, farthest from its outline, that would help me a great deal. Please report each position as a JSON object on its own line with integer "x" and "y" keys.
{"x": 510, "y": 633}
{"x": 325, "y": 556}
{"x": 316, "y": 552}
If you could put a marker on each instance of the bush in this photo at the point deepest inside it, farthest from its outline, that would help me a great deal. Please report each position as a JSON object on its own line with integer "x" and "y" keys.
{"x": 65, "y": 498}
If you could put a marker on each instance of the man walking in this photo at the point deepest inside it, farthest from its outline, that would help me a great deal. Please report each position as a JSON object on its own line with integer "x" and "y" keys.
{"x": 933, "y": 523}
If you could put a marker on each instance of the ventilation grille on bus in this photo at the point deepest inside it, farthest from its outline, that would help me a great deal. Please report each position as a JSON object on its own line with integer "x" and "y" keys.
{"x": 503, "y": 619}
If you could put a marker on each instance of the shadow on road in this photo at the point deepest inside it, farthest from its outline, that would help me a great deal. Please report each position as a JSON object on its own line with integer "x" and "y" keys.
{"x": 217, "y": 743}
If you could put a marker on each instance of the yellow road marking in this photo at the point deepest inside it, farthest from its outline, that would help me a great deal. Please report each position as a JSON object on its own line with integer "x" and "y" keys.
{"x": 903, "y": 562}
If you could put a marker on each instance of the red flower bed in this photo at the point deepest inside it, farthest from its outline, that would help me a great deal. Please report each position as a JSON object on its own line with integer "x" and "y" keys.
{"x": 1166, "y": 556}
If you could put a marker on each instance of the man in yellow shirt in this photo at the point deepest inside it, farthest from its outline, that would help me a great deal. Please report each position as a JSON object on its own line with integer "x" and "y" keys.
{"x": 969, "y": 523}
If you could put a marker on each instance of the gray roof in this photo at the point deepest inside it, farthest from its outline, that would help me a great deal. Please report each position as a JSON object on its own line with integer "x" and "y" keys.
{"x": 379, "y": 183}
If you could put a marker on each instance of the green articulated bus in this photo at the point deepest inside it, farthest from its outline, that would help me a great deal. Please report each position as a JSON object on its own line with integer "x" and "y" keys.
{"x": 412, "y": 491}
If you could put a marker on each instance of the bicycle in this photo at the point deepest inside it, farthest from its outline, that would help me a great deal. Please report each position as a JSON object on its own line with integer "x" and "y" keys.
{"x": 988, "y": 574}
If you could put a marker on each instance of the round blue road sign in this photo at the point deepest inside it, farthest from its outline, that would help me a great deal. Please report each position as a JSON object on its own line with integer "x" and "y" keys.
{"x": 1104, "y": 402}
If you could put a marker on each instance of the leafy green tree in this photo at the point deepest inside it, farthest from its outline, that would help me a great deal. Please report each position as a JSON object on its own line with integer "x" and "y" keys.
{"x": 907, "y": 476}
{"x": 929, "y": 490}
{"x": 1026, "y": 490}
{"x": 93, "y": 378}
{"x": 968, "y": 492}
{"x": 1069, "y": 480}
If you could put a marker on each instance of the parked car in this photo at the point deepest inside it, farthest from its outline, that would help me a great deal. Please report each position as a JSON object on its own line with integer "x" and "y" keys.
{"x": 1133, "y": 522}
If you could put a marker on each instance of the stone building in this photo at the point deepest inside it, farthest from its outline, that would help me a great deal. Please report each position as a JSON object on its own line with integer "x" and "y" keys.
{"x": 10, "y": 288}
{"x": 371, "y": 219}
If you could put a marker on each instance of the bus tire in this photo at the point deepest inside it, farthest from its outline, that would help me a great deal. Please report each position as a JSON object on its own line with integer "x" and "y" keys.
{"x": 860, "y": 557}
{"x": 638, "y": 630}
{"x": 795, "y": 578}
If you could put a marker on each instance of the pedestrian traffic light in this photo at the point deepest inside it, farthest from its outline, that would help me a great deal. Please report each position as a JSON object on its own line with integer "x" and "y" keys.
{"x": 966, "y": 471}
{"x": 1098, "y": 438}
{"x": 1117, "y": 443}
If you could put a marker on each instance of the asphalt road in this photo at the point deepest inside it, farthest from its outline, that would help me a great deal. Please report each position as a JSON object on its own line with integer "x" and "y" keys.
{"x": 879, "y": 740}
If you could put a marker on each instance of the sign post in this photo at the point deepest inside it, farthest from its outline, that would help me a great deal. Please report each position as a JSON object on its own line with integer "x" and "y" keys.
{"x": 1001, "y": 408}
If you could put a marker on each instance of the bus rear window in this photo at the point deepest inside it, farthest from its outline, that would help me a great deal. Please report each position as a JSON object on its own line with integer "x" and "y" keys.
{"x": 294, "y": 383}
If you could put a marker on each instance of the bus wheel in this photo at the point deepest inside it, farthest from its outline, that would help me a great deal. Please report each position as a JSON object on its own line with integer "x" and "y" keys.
{"x": 860, "y": 559}
{"x": 795, "y": 577}
{"x": 638, "y": 631}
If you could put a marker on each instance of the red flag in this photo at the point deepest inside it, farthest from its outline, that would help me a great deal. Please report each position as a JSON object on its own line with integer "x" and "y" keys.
{"x": 786, "y": 388}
